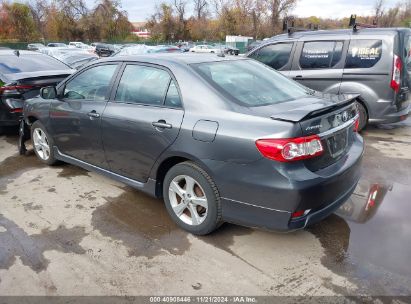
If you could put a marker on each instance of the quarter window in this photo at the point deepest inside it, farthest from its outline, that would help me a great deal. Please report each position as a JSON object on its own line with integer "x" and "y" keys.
{"x": 274, "y": 55}
{"x": 143, "y": 85}
{"x": 320, "y": 54}
{"x": 364, "y": 53}
{"x": 172, "y": 98}
{"x": 92, "y": 84}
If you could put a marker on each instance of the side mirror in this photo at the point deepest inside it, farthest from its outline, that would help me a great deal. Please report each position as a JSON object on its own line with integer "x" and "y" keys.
{"x": 48, "y": 92}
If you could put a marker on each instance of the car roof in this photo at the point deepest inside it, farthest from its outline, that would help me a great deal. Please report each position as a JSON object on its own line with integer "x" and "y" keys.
{"x": 361, "y": 31}
{"x": 9, "y": 52}
{"x": 176, "y": 58}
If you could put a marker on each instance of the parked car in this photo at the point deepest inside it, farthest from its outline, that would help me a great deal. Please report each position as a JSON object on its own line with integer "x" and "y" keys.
{"x": 105, "y": 50}
{"x": 370, "y": 62}
{"x": 35, "y": 46}
{"x": 226, "y": 49}
{"x": 145, "y": 49}
{"x": 78, "y": 60}
{"x": 253, "y": 45}
{"x": 22, "y": 73}
{"x": 219, "y": 138}
{"x": 57, "y": 44}
{"x": 60, "y": 52}
{"x": 204, "y": 48}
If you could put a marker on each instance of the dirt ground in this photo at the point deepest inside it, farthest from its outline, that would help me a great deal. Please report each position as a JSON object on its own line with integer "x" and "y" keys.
{"x": 66, "y": 231}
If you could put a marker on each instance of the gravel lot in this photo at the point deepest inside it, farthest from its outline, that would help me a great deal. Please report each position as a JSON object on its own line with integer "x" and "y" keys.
{"x": 66, "y": 231}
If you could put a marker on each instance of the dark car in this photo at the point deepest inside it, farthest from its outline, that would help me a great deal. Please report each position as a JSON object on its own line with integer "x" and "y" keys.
{"x": 370, "y": 62}
{"x": 56, "y": 44}
{"x": 22, "y": 74}
{"x": 105, "y": 50}
{"x": 219, "y": 138}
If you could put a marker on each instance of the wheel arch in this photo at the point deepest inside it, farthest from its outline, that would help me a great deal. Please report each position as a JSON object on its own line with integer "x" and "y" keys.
{"x": 165, "y": 164}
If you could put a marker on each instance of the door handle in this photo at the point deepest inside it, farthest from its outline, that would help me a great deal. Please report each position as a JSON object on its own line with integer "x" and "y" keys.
{"x": 161, "y": 124}
{"x": 93, "y": 114}
{"x": 298, "y": 77}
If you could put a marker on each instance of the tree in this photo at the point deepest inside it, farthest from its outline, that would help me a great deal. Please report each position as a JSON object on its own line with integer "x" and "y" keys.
{"x": 19, "y": 22}
{"x": 278, "y": 9}
{"x": 200, "y": 8}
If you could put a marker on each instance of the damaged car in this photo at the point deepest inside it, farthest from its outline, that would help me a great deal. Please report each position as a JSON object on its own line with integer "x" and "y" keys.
{"x": 220, "y": 139}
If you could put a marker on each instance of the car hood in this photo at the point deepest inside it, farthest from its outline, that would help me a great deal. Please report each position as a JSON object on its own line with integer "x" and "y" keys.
{"x": 297, "y": 110}
{"x": 25, "y": 75}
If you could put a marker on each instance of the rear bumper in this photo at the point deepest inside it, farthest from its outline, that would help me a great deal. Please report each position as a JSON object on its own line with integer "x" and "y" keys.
{"x": 265, "y": 193}
{"x": 392, "y": 117}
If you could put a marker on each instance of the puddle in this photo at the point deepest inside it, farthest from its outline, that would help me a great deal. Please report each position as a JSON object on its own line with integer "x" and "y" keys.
{"x": 14, "y": 166}
{"x": 369, "y": 239}
{"x": 69, "y": 171}
{"x": 30, "y": 248}
{"x": 141, "y": 223}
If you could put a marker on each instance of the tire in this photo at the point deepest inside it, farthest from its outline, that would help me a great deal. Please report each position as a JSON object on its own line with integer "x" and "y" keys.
{"x": 37, "y": 129}
{"x": 204, "y": 191}
{"x": 362, "y": 111}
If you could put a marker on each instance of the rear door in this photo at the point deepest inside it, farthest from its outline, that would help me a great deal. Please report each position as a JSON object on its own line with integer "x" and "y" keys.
{"x": 318, "y": 64}
{"x": 276, "y": 55}
{"x": 142, "y": 119}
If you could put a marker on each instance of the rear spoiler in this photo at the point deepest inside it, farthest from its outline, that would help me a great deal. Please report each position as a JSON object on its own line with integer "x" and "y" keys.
{"x": 331, "y": 102}
{"x": 27, "y": 75}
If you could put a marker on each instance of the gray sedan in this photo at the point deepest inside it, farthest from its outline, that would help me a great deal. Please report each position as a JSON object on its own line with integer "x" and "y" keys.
{"x": 218, "y": 138}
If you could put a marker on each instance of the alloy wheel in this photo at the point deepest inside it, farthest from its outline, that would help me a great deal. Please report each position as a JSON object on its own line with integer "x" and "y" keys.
{"x": 188, "y": 200}
{"x": 41, "y": 144}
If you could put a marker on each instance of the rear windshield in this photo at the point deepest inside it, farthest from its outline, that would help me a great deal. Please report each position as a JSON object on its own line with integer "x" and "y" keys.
{"x": 250, "y": 83}
{"x": 10, "y": 64}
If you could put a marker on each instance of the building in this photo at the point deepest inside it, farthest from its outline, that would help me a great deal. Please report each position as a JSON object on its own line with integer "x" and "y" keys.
{"x": 140, "y": 30}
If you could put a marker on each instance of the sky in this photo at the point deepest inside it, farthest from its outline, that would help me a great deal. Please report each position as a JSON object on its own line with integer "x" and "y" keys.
{"x": 140, "y": 10}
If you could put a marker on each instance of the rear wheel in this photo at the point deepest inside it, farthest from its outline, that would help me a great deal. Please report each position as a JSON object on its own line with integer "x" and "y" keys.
{"x": 363, "y": 119}
{"x": 42, "y": 143}
{"x": 192, "y": 199}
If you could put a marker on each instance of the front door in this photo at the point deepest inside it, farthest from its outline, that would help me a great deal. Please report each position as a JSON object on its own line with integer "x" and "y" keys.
{"x": 141, "y": 121}
{"x": 75, "y": 118}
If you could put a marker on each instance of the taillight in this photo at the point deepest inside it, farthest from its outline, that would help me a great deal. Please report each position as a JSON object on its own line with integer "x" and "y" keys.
{"x": 357, "y": 124}
{"x": 290, "y": 149}
{"x": 396, "y": 74}
{"x": 14, "y": 89}
{"x": 299, "y": 213}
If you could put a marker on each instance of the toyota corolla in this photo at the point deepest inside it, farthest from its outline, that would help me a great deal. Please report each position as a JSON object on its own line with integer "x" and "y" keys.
{"x": 220, "y": 139}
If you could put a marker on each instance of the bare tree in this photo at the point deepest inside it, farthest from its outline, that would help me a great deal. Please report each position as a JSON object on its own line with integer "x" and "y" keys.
{"x": 277, "y": 9}
{"x": 379, "y": 10}
{"x": 200, "y": 8}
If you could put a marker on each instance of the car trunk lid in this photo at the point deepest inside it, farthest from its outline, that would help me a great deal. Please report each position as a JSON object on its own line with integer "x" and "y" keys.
{"x": 331, "y": 117}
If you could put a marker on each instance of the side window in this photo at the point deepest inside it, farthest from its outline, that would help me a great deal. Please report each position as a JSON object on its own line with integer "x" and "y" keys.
{"x": 321, "y": 54}
{"x": 143, "y": 84}
{"x": 92, "y": 84}
{"x": 274, "y": 55}
{"x": 173, "y": 98}
{"x": 363, "y": 53}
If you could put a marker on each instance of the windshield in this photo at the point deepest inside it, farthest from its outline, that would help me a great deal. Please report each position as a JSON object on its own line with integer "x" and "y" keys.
{"x": 250, "y": 83}
{"x": 19, "y": 64}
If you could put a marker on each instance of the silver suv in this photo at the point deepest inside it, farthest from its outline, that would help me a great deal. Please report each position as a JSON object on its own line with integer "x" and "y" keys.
{"x": 372, "y": 62}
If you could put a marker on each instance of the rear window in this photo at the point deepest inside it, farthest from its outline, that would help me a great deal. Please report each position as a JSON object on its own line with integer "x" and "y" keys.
{"x": 10, "y": 64}
{"x": 250, "y": 83}
{"x": 320, "y": 54}
{"x": 363, "y": 53}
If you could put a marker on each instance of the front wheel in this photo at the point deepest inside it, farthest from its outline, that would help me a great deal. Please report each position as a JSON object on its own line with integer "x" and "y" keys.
{"x": 192, "y": 199}
{"x": 42, "y": 143}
